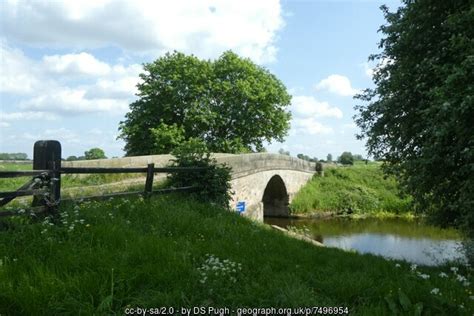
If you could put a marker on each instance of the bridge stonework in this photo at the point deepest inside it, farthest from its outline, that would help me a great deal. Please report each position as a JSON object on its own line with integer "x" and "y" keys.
{"x": 265, "y": 182}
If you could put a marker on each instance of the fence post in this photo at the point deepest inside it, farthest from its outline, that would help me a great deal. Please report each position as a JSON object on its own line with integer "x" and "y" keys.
{"x": 149, "y": 179}
{"x": 47, "y": 155}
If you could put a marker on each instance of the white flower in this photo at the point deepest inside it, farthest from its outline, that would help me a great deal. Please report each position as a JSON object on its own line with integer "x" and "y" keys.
{"x": 471, "y": 297}
{"x": 22, "y": 211}
{"x": 454, "y": 269}
{"x": 461, "y": 306}
{"x": 435, "y": 291}
{"x": 466, "y": 283}
{"x": 397, "y": 265}
{"x": 413, "y": 267}
{"x": 443, "y": 275}
{"x": 461, "y": 278}
{"x": 423, "y": 276}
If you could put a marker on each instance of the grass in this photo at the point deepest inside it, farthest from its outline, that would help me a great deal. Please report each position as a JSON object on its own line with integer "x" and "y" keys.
{"x": 360, "y": 189}
{"x": 73, "y": 186}
{"x": 171, "y": 251}
{"x": 67, "y": 181}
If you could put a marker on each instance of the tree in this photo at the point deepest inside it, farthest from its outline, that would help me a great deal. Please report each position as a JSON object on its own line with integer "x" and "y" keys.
{"x": 13, "y": 156}
{"x": 346, "y": 158}
{"x": 71, "y": 158}
{"x": 329, "y": 158}
{"x": 231, "y": 104}
{"x": 94, "y": 153}
{"x": 358, "y": 157}
{"x": 283, "y": 152}
{"x": 419, "y": 118}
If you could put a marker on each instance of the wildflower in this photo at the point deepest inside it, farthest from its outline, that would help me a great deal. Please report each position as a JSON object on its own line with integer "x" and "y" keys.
{"x": 435, "y": 291}
{"x": 466, "y": 283}
{"x": 471, "y": 297}
{"x": 413, "y": 267}
{"x": 81, "y": 221}
{"x": 88, "y": 225}
{"x": 443, "y": 275}
{"x": 454, "y": 269}
{"x": 423, "y": 276}
{"x": 461, "y": 278}
{"x": 397, "y": 265}
{"x": 461, "y": 306}
{"x": 22, "y": 211}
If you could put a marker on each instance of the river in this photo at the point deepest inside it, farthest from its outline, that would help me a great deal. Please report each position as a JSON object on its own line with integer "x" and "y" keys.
{"x": 409, "y": 240}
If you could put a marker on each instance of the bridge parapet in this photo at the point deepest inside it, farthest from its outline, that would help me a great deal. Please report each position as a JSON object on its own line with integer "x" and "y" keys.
{"x": 242, "y": 164}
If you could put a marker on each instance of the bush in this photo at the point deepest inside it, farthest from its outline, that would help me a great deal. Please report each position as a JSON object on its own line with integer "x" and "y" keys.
{"x": 213, "y": 183}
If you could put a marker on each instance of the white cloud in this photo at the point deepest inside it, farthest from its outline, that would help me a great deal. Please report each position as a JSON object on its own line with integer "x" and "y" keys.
{"x": 370, "y": 70}
{"x": 309, "y": 106}
{"x": 76, "y": 64}
{"x": 104, "y": 87}
{"x": 205, "y": 28}
{"x": 69, "y": 100}
{"x": 63, "y": 135}
{"x": 309, "y": 126}
{"x": 17, "y": 71}
{"x": 337, "y": 84}
{"x": 30, "y": 115}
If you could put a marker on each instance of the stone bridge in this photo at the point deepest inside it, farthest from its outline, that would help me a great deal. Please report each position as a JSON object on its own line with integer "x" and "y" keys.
{"x": 263, "y": 184}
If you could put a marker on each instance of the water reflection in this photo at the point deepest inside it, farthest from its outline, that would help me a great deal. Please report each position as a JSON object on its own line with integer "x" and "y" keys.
{"x": 395, "y": 238}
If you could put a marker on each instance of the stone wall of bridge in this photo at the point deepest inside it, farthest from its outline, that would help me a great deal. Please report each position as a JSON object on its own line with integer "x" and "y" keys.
{"x": 265, "y": 183}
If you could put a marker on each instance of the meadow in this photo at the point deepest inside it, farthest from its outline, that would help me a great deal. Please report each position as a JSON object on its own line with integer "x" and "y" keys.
{"x": 98, "y": 258}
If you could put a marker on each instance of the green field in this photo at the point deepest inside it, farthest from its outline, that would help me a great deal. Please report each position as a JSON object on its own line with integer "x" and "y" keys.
{"x": 360, "y": 189}
{"x": 100, "y": 258}
{"x": 74, "y": 185}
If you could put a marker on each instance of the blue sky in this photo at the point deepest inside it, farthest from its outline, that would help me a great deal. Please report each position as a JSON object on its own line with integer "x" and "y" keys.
{"x": 68, "y": 69}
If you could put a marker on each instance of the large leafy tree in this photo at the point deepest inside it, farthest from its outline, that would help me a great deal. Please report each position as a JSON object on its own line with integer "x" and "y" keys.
{"x": 230, "y": 103}
{"x": 419, "y": 118}
{"x": 94, "y": 153}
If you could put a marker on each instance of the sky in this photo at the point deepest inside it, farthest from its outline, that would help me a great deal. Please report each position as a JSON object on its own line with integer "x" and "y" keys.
{"x": 69, "y": 69}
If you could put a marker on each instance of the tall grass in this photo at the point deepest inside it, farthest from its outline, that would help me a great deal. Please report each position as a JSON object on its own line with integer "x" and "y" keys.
{"x": 100, "y": 258}
{"x": 359, "y": 189}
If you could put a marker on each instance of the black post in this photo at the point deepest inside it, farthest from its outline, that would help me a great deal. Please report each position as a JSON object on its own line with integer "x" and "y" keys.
{"x": 149, "y": 179}
{"x": 47, "y": 155}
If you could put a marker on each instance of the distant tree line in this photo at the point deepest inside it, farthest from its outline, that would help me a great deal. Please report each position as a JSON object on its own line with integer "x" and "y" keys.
{"x": 93, "y": 153}
{"x": 346, "y": 158}
{"x": 13, "y": 156}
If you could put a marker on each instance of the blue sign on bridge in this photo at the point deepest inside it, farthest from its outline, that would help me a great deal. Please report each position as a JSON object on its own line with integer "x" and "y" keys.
{"x": 240, "y": 207}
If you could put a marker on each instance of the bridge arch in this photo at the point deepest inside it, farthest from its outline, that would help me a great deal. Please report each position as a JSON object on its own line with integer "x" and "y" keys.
{"x": 275, "y": 198}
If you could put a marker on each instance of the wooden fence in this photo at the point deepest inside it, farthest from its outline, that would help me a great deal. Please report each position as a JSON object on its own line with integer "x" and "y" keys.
{"x": 45, "y": 185}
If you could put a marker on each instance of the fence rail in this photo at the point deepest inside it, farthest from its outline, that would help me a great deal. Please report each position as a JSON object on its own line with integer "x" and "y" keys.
{"x": 15, "y": 174}
{"x": 45, "y": 186}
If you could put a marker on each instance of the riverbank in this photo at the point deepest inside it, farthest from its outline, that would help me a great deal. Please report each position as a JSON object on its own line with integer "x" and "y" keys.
{"x": 358, "y": 191}
{"x": 170, "y": 251}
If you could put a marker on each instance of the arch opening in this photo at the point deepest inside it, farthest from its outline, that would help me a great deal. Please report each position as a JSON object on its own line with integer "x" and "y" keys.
{"x": 275, "y": 198}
